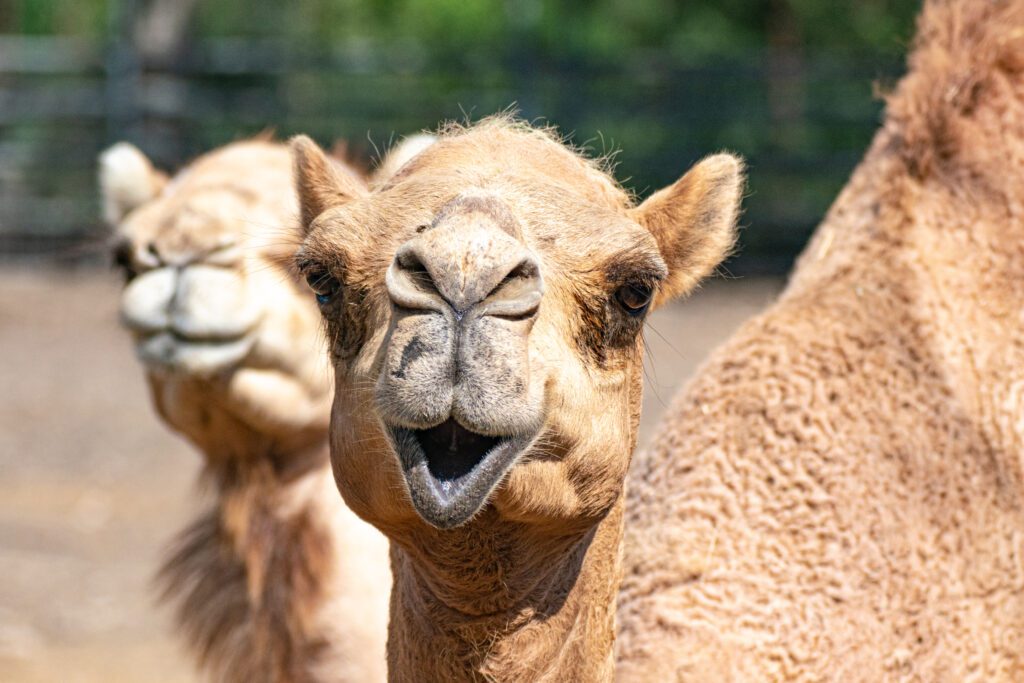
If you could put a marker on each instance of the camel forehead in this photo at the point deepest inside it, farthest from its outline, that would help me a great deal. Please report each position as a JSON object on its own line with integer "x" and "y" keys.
{"x": 560, "y": 201}
{"x": 249, "y": 170}
{"x": 548, "y": 218}
{"x": 521, "y": 158}
{"x": 229, "y": 194}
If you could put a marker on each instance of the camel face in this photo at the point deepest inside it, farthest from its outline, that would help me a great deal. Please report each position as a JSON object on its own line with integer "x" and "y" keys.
{"x": 485, "y": 309}
{"x": 211, "y": 309}
{"x": 192, "y": 310}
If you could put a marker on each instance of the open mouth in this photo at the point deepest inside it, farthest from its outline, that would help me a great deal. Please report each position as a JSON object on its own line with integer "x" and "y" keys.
{"x": 452, "y": 471}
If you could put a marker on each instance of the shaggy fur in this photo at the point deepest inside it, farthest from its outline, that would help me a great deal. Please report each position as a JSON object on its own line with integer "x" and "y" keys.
{"x": 278, "y": 581}
{"x": 838, "y": 494}
{"x": 519, "y": 583}
{"x": 251, "y": 581}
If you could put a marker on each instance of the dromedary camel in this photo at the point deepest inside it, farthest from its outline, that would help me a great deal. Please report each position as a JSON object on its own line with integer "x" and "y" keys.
{"x": 839, "y": 494}
{"x": 279, "y": 581}
{"x": 484, "y": 310}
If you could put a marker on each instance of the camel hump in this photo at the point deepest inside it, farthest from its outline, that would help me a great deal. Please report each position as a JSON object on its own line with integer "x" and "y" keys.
{"x": 961, "y": 99}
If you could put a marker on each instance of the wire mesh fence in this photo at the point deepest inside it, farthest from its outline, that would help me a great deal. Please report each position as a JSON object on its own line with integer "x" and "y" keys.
{"x": 802, "y": 124}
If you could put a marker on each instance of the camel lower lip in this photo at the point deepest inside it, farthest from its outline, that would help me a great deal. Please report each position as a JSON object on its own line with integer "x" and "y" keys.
{"x": 166, "y": 351}
{"x": 452, "y": 471}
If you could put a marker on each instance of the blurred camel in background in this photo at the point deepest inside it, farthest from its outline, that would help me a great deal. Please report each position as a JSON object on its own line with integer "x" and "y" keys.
{"x": 279, "y": 580}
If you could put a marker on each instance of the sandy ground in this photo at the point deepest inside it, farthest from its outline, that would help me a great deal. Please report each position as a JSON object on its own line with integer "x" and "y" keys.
{"x": 92, "y": 485}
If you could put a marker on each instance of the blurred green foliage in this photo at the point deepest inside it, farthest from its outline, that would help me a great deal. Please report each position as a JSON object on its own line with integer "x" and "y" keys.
{"x": 786, "y": 83}
{"x": 598, "y": 30}
{"x": 53, "y": 17}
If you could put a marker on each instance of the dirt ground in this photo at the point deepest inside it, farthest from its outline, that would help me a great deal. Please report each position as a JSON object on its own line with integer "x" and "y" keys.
{"x": 92, "y": 485}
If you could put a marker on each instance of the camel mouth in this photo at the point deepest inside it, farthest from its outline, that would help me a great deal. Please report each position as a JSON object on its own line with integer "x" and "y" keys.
{"x": 170, "y": 352}
{"x": 452, "y": 451}
{"x": 452, "y": 471}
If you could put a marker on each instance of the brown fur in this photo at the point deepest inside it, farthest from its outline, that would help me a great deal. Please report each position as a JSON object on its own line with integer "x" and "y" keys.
{"x": 838, "y": 494}
{"x": 278, "y": 582}
{"x": 524, "y": 588}
{"x": 247, "y": 584}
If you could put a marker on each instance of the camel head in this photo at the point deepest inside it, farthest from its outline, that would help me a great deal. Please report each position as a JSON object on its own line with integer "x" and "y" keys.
{"x": 484, "y": 311}
{"x": 229, "y": 336}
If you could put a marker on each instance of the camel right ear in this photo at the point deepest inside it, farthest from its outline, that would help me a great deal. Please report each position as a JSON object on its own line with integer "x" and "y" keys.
{"x": 127, "y": 181}
{"x": 321, "y": 185}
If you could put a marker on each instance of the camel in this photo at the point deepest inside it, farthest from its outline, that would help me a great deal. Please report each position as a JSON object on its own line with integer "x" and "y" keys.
{"x": 483, "y": 311}
{"x": 279, "y": 580}
{"x": 838, "y": 494}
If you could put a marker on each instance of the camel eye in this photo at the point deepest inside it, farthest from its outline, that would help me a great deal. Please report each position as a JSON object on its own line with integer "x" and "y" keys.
{"x": 324, "y": 285}
{"x": 634, "y": 298}
{"x": 122, "y": 260}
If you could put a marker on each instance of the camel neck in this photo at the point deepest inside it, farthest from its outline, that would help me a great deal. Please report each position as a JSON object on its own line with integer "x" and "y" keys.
{"x": 251, "y": 555}
{"x": 265, "y": 465}
{"x": 503, "y": 602}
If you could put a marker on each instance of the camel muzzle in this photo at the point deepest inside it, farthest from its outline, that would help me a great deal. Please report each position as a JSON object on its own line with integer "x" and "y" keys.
{"x": 456, "y": 386}
{"x": 198, "y": 319}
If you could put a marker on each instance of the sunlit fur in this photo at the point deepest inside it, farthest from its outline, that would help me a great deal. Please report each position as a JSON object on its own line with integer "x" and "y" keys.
{"x": 839, "y": 494}
{"x": 525, "y": 590}
{"x": 277, "y": 581}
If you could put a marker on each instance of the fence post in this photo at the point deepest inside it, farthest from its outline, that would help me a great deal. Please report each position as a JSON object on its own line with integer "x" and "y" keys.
{"x": 123, "y": 71}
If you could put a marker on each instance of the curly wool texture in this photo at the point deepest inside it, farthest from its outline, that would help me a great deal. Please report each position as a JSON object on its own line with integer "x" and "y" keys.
{"x": 837, "y": 495}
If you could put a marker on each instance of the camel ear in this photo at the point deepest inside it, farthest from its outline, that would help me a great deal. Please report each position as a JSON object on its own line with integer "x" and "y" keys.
{"x": 694, "y": 221}
{"x": 401, "y": 154}
{"x": 321, "y": 182}
{"x": 127, "y": 181}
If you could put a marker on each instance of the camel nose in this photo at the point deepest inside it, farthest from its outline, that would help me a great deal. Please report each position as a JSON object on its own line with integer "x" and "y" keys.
{"x": 463, "y": 268}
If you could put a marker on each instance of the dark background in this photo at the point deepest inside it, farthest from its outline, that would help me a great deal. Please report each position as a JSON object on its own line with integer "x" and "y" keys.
{"x": 789, "y": 84}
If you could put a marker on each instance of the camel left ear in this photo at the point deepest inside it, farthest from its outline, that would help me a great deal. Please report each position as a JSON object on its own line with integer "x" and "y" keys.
{"x": 694, "y": 222}
{"x": 322, "y": 183}
{"x": 127, "y": 181}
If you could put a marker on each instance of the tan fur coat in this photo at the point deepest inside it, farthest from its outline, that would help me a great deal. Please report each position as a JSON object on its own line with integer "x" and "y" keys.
{"x": 838, "y": 494}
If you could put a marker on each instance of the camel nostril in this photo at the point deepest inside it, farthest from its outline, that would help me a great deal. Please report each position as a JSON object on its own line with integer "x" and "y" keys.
{"x": 517, "y": 296}
{"x": 527, "y": 272}
{"x": 409, "y": 283}
{"x": 475, "y": 272}
{"x": 413, "y": 270}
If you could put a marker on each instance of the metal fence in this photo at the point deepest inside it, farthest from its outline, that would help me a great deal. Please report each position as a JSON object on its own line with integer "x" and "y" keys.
{"x": 802, "y": 123}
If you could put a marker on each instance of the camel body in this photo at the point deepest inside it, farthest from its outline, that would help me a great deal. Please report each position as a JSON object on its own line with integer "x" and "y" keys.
{"x": 837, "y": 495}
